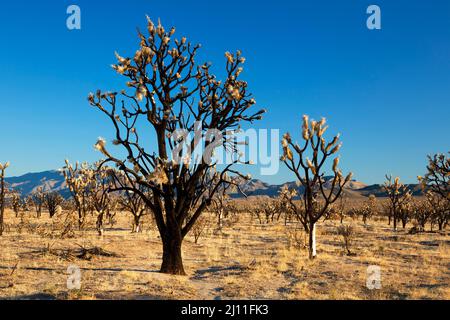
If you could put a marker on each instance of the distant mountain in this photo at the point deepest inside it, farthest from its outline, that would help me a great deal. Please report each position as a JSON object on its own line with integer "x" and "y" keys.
{"x": 260, "y": 188}
{"x": 54, "y": 181}
{"x": 30, "y": 182}
{"x": 378, "y": 190}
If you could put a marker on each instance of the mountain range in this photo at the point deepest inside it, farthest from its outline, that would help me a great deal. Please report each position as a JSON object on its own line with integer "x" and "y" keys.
{"x": 54, "y": 181}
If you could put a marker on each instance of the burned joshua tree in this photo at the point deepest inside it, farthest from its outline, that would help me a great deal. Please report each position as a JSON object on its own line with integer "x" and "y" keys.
{"x": 316, "y": 197}
{"x": 172, "y": 96}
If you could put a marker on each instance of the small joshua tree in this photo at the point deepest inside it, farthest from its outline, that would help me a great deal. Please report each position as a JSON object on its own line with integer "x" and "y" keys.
{"x": 27, "y": 203}
{"x": 114, "y": 206}
{"x": 406, "y": 213}
{"x": 347, "y": 233}
{"x": 52, "y": 202}
{"x": 437, "y": 183}
{"x": 90, "y": 186}
{"x": 38, "y": 198}
{"x": 369, "y": 209}
{"x": 399, "y": 197}
{"x": 199, "y": 228}
{"x": 220, "y": 202}
{"x": 338, "y": 209}
{"x": 171, "y": 96}
{"x": 286, "y": 198}
{"x": 440, "y": 210}
{"x": 422, "y": 213}
{"x": 100, "y": 181}
{"x": 3, "y": 190}
{"x": 77, "y": 180}
{"x": 315, "y": 197}
{"x": 16, "y": 204}
{"x": 268, "y": 209}
{"x": 134, "y": 204}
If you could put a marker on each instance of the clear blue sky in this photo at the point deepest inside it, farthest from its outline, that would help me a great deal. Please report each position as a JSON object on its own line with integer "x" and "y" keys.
{"x": 386, "y": 91}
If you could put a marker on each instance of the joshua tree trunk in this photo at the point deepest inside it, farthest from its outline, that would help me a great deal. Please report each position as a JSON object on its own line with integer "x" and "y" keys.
{"x": 80, "y": 219}
{"x": 404, "y": 222}
{"x": 219, "y": 219}
{"x": 312, "y": 241}
{"x": 172, "y": 258}
{"x": 99, "y": 224}
{"x": 136, "y": 224}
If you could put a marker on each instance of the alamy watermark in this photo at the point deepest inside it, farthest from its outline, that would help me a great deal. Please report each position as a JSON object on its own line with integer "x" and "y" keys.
{"x": 73, "y": 21}
{"x": 214, "y": 147}
{"x": 374, "y": 20}
{"x": 74, "y": 277}
{"x": 373, "y": 279}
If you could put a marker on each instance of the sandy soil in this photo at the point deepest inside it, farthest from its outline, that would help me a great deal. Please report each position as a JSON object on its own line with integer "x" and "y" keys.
{"x": 246, "y": 260}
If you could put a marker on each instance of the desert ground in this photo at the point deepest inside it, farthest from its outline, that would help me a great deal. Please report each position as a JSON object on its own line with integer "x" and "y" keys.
{"x": 245, "y": 260}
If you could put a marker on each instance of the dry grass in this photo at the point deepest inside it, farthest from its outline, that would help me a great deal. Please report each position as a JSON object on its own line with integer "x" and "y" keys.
{"x": 244, "y": 261}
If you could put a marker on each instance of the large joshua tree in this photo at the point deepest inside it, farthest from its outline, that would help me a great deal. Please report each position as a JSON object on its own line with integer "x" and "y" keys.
{"x": 3, "y": 168}
{"x": 316, "y": 194}
{"x": 168, "y": 94}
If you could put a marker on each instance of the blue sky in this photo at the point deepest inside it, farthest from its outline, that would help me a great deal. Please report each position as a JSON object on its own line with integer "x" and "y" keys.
{"x": 386, "y": 91}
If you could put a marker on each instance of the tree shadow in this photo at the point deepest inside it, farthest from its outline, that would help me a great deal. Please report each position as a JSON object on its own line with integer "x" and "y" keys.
{"x": 203, "y": 273}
